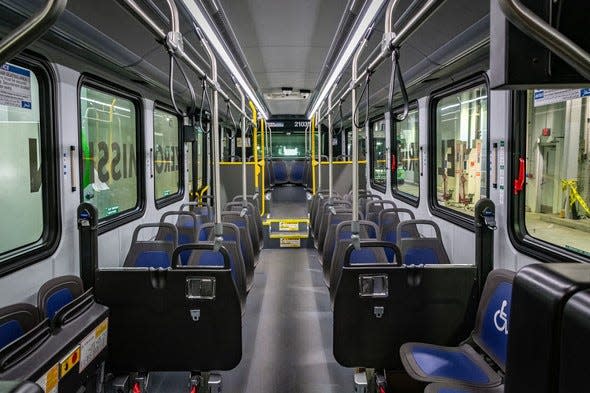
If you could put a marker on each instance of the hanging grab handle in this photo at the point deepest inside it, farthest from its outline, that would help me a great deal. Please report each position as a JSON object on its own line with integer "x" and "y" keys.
{"x": 396, "y": 73}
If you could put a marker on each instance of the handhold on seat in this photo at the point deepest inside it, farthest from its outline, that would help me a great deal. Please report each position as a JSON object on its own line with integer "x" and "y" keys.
{"x": 155, "y": 253}
{"x": 457, "y": 388}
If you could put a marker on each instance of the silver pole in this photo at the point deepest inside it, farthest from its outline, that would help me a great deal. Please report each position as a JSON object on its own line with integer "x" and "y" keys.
{"x": 33, "y": 28}
{"x": 319, "y": 128}
{"x": 215, "y": 140}
{"x": 355, "y": 145}
{"x": 330, "y": 144}
{"x": 161, "y": 35}
{"x": 243, "y": 125}
{"x": 541, "y": 31}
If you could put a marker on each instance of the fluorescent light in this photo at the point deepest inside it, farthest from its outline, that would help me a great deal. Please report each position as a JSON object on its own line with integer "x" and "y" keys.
{"x": 359, "y": 33}
{"x": 201, "y": 21}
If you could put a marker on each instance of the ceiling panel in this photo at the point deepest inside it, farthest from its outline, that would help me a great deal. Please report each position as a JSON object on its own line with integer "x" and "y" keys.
{"x": 285, "y": 42}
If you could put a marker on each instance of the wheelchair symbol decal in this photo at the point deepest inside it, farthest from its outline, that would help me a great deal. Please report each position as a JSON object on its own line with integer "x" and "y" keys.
{"x": 501, "y": 319}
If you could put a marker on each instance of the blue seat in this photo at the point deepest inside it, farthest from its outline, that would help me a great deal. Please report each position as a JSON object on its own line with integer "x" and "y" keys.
{"x": 374, "y": 208}
{"x": 56, "y": 293}
{"x": 388, "y": 221}
{"x": 463, "y": 364}
{"x": 421, "y": 250}
{"x": 280, "y": 172}
{"x": 187, "y": 225}
{"x": 297, "y": 172}
{"x": 155, "y": 253}
{"x": 457, "y": 388}
{"x": 15, "y": 321}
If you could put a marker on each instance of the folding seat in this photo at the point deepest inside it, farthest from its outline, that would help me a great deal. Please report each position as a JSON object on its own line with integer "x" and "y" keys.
{"x": 187, "y": 224}
{"x": 152, "y": 253}
{"x": 335, "y": 218}
{"x": 421, "y": 250}
{"x": 297, "y": 172}
{"x": 56, "y": 293}
{"x": 458, "y": 388}
{"x": 16, "y": 320}
{"x": 204, "y": 212}
{"x": 343, "y": 236}
{"x": 364, "y": 199}
{"x": 374, "y": 207}
{"x": 321, "y": 214}
{"x": 463, "y": 364}
{"x": 281, "y": 175}
{"x": 245, "y": 240}
{"x": 231, "y": 244}
{"x": 255, "y": 227}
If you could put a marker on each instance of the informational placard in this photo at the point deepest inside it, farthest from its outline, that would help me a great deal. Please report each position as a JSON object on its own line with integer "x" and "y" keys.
{"x": 287, "y": 242}
{"x": 15, "y": 86}
{"x": 93, "y": 344}
{"x": 288, "y": 226}
{"x": 548, "y": 97}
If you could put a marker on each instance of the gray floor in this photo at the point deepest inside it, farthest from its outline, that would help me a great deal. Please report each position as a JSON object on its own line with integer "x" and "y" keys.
{"x": 288, "y": 330}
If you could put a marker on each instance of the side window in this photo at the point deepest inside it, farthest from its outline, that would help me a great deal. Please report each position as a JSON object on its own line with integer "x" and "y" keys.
{"x": 460, "y": 153}
{"x": 361, "y": 144}
{"x": 111, "y": 161}
{"x": 29, "y": 191}
{"x": 557, "y": 192}
{"x": 167, "y": 156}
{"x": 405, "y": 177}
{"x": 378, "y": 155}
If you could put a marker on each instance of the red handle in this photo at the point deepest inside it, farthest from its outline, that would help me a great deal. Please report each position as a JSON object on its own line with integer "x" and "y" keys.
{"x": 519, "y": 182}
{"x": 393, "y": 163}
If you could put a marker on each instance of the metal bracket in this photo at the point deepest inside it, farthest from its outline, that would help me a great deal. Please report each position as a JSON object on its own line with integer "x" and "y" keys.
{"x": 379, "y": 311}
{"x": 386, "y": 42}
{"x": 174, "y": 41}
{"x": 360, "y": 382}
{"x": 374, "y": 285}
{"x": 201, "y": 288}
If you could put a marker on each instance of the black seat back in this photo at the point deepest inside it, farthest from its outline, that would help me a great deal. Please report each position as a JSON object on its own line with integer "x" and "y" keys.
{"x": 425, "y": 303}
{"x": 575, "y": 341}
{"x": 242, "y": 223}
{"x": 182, "y": 318}
{"x": 368, "y": 230}
{"x": 203, "y": 211}
{"x": 57, "y": 293}
{"x": 421, "y": 250}
{"x": 374, "y": 207}
{"x": 16, "y": 320}
{"x": 152, "y": 253}
{"x": 329, "y": 244}
{"x": 256, "y": 227}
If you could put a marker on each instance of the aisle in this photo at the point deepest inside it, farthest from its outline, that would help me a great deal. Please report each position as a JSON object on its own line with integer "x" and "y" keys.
{"x": 288, "y": 330}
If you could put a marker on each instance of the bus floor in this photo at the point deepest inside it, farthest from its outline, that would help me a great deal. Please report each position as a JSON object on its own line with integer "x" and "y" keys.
{"x": 287, "y": 333}
{"x": 288, "y": 330}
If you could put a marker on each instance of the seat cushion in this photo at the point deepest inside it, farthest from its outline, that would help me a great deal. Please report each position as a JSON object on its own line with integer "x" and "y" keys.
{"x": 456, "y": 388}
{"x": 433, "y": 363}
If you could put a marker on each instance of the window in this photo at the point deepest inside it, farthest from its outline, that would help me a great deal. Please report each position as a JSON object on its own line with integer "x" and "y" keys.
{"x": 405, "y": 177}
{"x": 167, "y": 156}
{"x": 361, "y": 144}
{"x": 29, "y": 229}
{"x": 112, "y": 169}
{"x": 378, "y": 155}
{"x": 557, "y": 192}
{"x": 289, "y": 145}
{"x": 460, "y": 155}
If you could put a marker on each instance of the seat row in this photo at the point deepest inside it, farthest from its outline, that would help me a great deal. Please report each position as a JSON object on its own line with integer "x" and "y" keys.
{"x": 292, "y": 171}
{"x": 60, "y": 342}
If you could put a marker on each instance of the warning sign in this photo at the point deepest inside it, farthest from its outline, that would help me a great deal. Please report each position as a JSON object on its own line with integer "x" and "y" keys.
{"x": 93, "y": 344}
{"x": 288, "y": 226}
{"x": 68, "y": 363}
{"x": 49, "y": 381}
{"x": 15, "y": 86}
{"x": 290, "y": 242}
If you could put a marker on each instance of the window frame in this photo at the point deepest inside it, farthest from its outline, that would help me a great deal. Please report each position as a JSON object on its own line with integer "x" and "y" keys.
{"x": 522, "y": 241}
{"x": 379, "y": 187}
{"x": 29, "y": 254}
{"x": 107, "y": 224}
{"x": 400, "y": 195}
{"x": 179, "y": 195}
{"x": 447, "y": 214}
